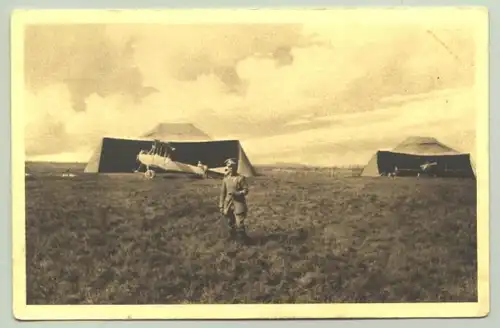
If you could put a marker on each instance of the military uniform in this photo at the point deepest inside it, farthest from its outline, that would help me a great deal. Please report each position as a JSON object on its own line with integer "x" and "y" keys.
{"x": 232, "y": 201}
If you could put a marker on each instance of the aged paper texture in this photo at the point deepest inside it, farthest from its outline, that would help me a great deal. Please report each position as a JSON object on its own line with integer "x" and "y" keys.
{"x": 239, "y": 164}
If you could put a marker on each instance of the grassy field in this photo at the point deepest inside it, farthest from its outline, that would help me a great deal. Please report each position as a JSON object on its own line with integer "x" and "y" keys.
{"x": 317, "y": 237}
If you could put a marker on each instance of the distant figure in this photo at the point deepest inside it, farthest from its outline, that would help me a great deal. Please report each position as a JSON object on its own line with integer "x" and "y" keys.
{"x": 232, "y": 201}
{"x": 204, "y": 169}
{"x": 391, "y": 174}
{"x": 395, "y": 172}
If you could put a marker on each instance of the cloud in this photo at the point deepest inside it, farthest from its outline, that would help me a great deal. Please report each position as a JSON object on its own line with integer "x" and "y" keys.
{"x": 84, "y": 59}
{"x": 353, "y": 139}
{"x": 268, "y": 84}
{"x": 188, "y": 52}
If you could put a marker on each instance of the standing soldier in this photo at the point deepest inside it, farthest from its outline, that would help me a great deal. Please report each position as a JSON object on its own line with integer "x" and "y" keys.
{"x": 204, "y": 169}
{"x": 232, "y": 201}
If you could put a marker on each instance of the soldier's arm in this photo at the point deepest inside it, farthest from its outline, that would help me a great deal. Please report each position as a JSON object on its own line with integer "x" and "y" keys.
{"x": 244, "y": 186}
{"x": 222, "y": 196}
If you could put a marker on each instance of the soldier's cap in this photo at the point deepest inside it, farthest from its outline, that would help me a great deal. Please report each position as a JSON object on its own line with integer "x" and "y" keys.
{"x": 230, "y": 162}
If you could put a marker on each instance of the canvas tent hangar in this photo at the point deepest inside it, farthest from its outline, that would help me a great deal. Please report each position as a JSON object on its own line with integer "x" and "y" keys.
{"x": 119, "y": 155}
{"x": 409, "y": 155}
{"x": 423, "y": 146}
{"x": 384, "y": 162}
{"x": 176, "y": 132}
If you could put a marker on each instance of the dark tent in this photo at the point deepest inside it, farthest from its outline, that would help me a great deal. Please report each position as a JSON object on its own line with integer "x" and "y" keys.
{"x": 414, "y": 152}
{"x": 116, "y": 155}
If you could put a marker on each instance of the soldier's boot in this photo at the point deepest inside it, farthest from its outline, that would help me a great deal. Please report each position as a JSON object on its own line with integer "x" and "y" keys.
{"x": 232, "y": 233}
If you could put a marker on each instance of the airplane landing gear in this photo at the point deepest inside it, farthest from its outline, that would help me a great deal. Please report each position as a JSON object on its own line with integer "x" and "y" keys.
{"x": 149, "y": 174}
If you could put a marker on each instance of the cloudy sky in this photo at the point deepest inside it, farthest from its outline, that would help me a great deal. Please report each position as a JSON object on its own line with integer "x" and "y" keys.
{"x": 311, "y": 93}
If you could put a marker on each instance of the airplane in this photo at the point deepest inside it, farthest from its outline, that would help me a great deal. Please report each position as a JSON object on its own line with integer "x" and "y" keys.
{"x": 159, "y": 158}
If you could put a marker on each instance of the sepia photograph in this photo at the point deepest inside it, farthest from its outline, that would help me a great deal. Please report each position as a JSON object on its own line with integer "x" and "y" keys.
{"x": 267, "y": 163}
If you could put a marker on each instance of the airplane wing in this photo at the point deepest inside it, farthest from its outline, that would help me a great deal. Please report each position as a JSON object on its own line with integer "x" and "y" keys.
{"x": 220, "y": 170}
{"x": 166, "y": 164}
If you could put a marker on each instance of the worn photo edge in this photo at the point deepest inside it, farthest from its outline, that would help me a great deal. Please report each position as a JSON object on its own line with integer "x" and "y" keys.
{"x": 22, "y": 311}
